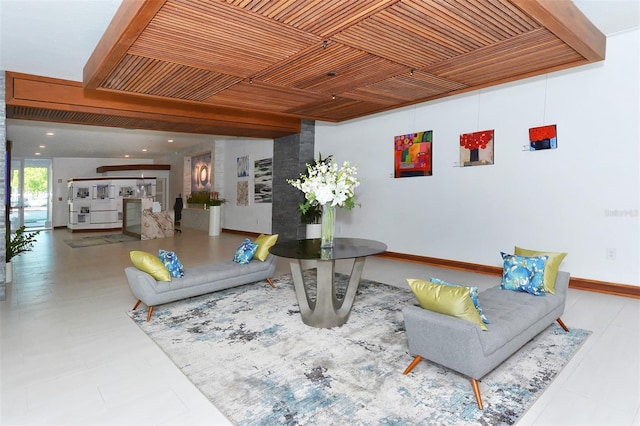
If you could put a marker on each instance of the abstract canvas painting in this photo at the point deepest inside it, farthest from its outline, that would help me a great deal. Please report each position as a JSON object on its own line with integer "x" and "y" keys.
{"x": 412, "y": 154}
{"x": 545, "y": 137}
{"x": 476, "y": 149}
{"x": 243, "y": 166}
{"x": 242, "y": 191}
{"x": 263, "y": 175}
{"x": 201, "y": 172}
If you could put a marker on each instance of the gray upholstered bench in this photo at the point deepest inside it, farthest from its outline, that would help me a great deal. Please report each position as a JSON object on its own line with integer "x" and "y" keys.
{"x": 516, "y": 318}
{"x": 197, "y": 281}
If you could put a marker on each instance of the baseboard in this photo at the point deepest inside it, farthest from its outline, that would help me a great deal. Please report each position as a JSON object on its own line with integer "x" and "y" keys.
{"x": 575, "y": 282}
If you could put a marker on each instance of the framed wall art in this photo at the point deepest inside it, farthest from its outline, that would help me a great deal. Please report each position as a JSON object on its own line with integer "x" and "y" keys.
{"x": 545, "y": 137}
{"x": 412, "y": 154}
{"x": 476, "y": 149}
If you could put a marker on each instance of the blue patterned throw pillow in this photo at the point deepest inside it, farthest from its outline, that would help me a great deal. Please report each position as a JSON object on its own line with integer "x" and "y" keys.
{"x": 171, "y": 262}
{"x": 245, "y": 252}
{"x": 473, "y": 294}
{"x": 523, "y": 273}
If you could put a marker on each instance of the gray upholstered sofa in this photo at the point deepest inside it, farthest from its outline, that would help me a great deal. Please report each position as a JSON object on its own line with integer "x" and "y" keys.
{"x": 197, "y": 281}
{"x": 516, "y": 318}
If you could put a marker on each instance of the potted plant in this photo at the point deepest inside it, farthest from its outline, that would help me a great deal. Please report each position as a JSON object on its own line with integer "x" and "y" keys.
{"x": 198, "y": 199}
{"x": 310, "y": 215}
{"x": 16, "y": 244}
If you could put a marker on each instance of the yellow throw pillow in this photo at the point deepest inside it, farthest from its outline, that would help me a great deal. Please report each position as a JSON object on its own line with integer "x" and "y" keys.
{"x": 150, "y": 264}
{"x": 550, "y": 269}
{"x": 448, "y": 300}
{"x": 264, "y": 243}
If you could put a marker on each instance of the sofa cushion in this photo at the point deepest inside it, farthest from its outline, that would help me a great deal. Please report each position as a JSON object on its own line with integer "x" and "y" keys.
{"x": 448, "y": 300}
{"x": 171, "y": 262}
{"x": 245, "y": 252}
{"x": 522, "y": 273}
{"x": 511, "y": 313}
{"x": 150, "y": 264}
{"x": 264, "y": 242}
{"x": 550, "y": 269}
{"x": 473, "y": 293}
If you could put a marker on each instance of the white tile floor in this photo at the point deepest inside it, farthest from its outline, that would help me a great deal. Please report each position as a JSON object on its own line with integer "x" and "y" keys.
{"x": 70, "y": 355}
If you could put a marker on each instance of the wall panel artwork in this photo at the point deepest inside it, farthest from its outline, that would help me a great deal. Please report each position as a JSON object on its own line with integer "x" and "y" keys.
{"x": 413, "y": 154}
{"x": 242, "y": 193}
{"x": 243, "y": 166}
{"x": 263, "y": 175}
{"x": 544, "y": 137}
{"x": 476, "y": 149}
{"x": 201, "y": 172}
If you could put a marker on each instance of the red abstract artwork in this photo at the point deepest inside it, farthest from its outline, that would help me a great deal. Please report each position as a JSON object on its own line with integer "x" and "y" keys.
{"x": 476, "y": 149}
{"x": 544, "y": 137}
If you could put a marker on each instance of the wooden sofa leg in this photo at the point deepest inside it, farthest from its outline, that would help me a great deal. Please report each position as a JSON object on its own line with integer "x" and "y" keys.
{"x": 270, "y": 283}
{"x": 149, "y": 314}
{"x": 476, "y": 392}
{"x": 415, "y": 362}
{"x": 562, "y": 325}
{"x": 136, "y": 305}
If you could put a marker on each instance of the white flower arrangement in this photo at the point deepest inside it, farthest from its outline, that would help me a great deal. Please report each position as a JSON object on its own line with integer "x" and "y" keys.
{"x": 325, "y": 183}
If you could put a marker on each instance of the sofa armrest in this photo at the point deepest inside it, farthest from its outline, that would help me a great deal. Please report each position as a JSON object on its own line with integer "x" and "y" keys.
{"x": 443, "y": 339}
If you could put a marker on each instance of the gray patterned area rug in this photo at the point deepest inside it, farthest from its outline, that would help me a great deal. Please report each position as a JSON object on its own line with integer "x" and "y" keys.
{"x": 248, "y": 351}
{"x": 98, "y": 240}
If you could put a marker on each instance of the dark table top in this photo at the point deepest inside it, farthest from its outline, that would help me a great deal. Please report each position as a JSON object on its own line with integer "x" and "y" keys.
{"x": 343, "y": 248}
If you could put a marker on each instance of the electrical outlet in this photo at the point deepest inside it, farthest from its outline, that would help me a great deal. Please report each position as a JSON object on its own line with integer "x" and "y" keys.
{"x": 611, "y": 253}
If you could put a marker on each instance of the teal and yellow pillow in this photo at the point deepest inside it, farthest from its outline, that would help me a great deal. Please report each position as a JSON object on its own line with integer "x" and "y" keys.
{"x": 550, "y": 270}
{"x": 521, "y": 273}
{"x": 245, "y": 252}
{"x": 171, "y": 262}
{"x": 448, "y": 300}
{"x": 473, "y": 294}
{"x": 264, "y": 242}
{"x": 150, "y": 264}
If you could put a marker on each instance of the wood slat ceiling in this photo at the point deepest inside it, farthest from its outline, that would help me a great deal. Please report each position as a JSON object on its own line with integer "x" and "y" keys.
{"x": 333, "y": 60}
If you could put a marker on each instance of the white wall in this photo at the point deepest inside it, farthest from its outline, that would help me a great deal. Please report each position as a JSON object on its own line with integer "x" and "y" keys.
{"x": 256, "y": 217}
{"x": 65, "y": 168}
{"x": 582, "y": 198}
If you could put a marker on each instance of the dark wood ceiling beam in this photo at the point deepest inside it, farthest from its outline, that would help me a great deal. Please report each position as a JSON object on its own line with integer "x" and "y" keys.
{"x": 568, "y": 23}
{"x": 23, "y": 90}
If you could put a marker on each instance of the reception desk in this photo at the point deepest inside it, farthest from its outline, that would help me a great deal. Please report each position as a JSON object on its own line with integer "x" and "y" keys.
{"x": 139, "y": 219}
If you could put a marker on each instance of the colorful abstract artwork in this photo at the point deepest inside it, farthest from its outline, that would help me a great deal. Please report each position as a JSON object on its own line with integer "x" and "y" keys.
{"x": 413, "y": 154}
{"x": 544, "y": 137}
{"x": 201, "y": 173}
{"x": 263, "y": 175}
{"x": 476, "y": 149}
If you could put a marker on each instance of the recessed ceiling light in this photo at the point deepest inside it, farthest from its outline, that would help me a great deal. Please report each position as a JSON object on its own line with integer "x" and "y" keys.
{"x": 37, "y": 153}
{"x": 42, "y": 146}
{"x": 144, "y": 149}
{"x": 50, "y": 133}
{"x": 126, "y": 156}
{"x": 170, "y": 141}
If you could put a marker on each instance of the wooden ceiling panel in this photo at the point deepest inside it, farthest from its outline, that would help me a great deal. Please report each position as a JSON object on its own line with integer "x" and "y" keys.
{"x": 349, "y": 68}
{"x": 320, "y": 17}
{"x": 530, "y": 52}
{"x": 382, "y": 54}
{"x": 136, "y": 74}
{"x": 254, "y": 95}
{"x": 209, "y": 35}
{"x": 338, "y": 109}
{"x": 405, "y": 88}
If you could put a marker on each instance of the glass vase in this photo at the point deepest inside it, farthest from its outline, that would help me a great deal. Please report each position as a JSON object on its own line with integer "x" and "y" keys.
{"x": 328, "y": 225}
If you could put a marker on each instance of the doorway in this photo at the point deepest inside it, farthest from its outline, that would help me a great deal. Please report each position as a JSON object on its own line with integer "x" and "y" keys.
{"x": 30, "y": 193}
